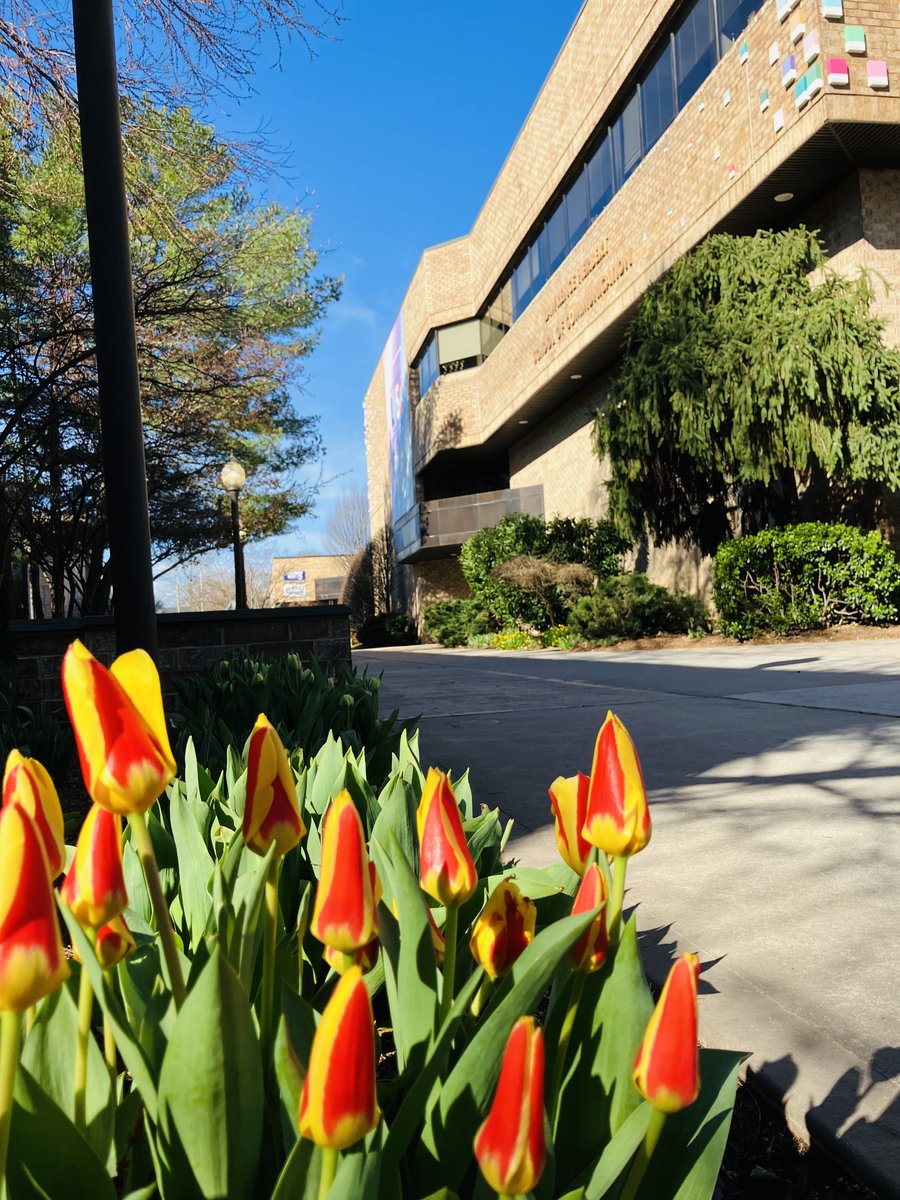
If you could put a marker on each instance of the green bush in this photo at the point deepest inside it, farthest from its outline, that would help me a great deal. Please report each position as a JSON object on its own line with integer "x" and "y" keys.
{"x": 630, "y": 606}
{"x": 595, "y": 544}
{"x": 35, "y": 736}
{"x": 808, "y": 576}
{"x": 219, "y": 707}
{"x": 386, "y": 629}
{"x": 453, "y": 622}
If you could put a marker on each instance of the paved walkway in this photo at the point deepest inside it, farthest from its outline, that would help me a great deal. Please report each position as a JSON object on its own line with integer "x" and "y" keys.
{"x": 774, "y": 775}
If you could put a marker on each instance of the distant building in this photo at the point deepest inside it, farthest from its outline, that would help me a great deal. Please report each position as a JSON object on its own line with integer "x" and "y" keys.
{"x": 308, "y": 579}
{"x": 659, "y": 123}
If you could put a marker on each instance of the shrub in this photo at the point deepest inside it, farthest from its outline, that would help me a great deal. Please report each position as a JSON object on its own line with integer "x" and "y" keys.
{"x": 557, "y": 636}
{"x": 554, "y": 585}
{"x": 305, "y": 704}
{"x": 357, "y": 591}
{"x": 35, "y": 736}
{"x": 808, "y": 576}
{"x": 453, "y": 622}
{"x": 630, "y": 606}
{"x": 514, "y": 639}
{"x": 386, "y": 629}
{"x": 593, "y": 544}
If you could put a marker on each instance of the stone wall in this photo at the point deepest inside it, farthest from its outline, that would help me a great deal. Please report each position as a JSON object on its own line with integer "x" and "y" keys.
{"x": 188, "y": 643}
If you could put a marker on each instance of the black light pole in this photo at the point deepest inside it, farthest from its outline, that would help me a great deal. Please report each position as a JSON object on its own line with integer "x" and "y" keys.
{"x": 233, "y": 478}
{"x": 122, "y": 434}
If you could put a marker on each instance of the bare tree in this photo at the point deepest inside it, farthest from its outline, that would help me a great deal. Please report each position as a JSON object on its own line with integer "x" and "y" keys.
{"x": 347, "y": 527}
{"x": 206, "y": 583}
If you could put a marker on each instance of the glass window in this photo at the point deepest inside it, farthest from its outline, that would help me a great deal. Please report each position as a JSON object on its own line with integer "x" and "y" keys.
{"x": 577, "y": 208}
{"x": 538, "y": 255}
{"x": 521, "y": 286}
{"x": 600, "y": 177}
{"x": 428, "y": 366}
{"x": 733, "y": 18}
{"x": 557, "y": 238}
{"x": 695, "y": 50}
{"x": 626, "y": 139}
{"x": 459, "y": 346}
{"x": 658, "y": 98}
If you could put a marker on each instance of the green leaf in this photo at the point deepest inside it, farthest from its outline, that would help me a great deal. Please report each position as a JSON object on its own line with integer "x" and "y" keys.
{"x": 299, "y": 1178}
{"x": 618, "y": 1153}
{"x": 211, "y": 1091}
{"x": 398, "y": 816}
{"x": 48, "y": 1157}
{"x": 195, "y": 864}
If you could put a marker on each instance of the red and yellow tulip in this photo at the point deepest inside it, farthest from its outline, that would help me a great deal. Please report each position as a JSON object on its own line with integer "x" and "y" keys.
{"x": 446, "y": 868}
{"x": 590, "y": 951}
{"x": 31, "y": 954}
{"x": 338, "y": 1104}
{"x": 345, "y": 915}
{"x": 115, "y": 941}
{"x": 365, "y": 958}
{"x": 667, "y": 1068}
{"x": 503, "y": 930}
{"x": 94, "y": 888}
{"x": 120, "y": 728}
{"x": 510, "y": 1145}
{"x": 618, "y": 818}
{"x": 568, "y": 802}
{"x": 271, "y": 813}
{"x": 27, "y": 783}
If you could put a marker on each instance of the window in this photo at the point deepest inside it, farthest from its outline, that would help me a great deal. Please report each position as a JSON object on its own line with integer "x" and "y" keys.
{"x": 733, "y": 18}
{"x": 538, "y": 257}
{"x": 626, "y": 139}
{"x": 577, "y": 209}
{"x": 428, "y": 366}
{"x": 600, "y": 177}
{"x": 557, "y": 238}
{"x": 521, "y": 286}
{"x": 695, "y": 50}
{"x": 658, "y": 98}
{"x": 459, "y": 347}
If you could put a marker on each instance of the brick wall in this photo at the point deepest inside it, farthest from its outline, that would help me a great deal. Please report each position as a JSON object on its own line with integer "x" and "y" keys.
{"x": 188, "y": 643}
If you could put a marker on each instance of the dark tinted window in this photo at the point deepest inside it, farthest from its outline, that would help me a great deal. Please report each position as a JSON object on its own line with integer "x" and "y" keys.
{"x": 557, "y": 238}
{"x": 600, "y": 177}
{"x": 521, "y": 286}
{"x": 577, "y": 208}
{"x": 538, "y": 257}
{"x": 695, "y": 50}
{"x": 428, "y": 366}
{"x": 626, "y": 138}
{"x": 658, "y": 98}
{"x": 733, "y": 18}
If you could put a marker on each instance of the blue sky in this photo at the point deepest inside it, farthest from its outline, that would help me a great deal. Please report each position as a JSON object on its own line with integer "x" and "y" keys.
{"x": 396, "y": 130}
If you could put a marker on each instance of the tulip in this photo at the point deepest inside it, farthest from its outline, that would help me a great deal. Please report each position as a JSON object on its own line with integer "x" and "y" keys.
{"x": 503, "y": 929}
{"x": 447, "y": 871}
{"x": 667, "y": 1068}
{"x": 438, "y": 942}
{"x": 94, "y": 888}
{"x": 27, "y": 783}
{"x": 345, "y": 915}
{"x": 120, "y": 728}
{"x": 115, "y": 941}
{"x": 568, "y": 802}
{"x": 590, "y": 951}
{"x": 31, "y": 954}
{"x": 365, "y": 958}
{"x": 338, "y": 1104}
{"x": 510, "y": 1145}
{"x": 617, "y": 819}
{"x": 271, "y": 813}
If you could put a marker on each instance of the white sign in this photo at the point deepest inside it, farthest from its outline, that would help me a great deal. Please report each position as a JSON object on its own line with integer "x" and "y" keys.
{"x": 294, "y": 576}
{"x": 295, "y": 591}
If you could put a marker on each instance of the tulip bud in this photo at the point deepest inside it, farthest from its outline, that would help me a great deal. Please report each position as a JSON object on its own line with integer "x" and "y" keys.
{"x": 345, "y": 916}
{"x": 365, "y": 958}
{"x": 504, "y": 928}
{"x": 667, "y": 1067}
{"x": 27, "y": 783}
{"x": 438, "y": 941}
{"x": 94, "y": 888}
{"x": 271, "y": 812}
{"x": 115, "y": 941}
{"x": 590, "y": 951}
{"x": 568, "y": 801}
{"x": 338, "y": 1105}
{"x": 120, "y": 728}
{"x": 618, "y": 819}
{"x": 32, "y": 964}
{"x": 447, "y": 871}
{"x": 510, "y": 1145}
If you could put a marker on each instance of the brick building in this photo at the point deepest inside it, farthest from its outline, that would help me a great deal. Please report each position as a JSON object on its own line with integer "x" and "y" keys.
{"x": 308, "y": 579}
{"x": 659, "y": 124}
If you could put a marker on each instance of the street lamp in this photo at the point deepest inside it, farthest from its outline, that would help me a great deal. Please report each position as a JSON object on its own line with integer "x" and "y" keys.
{"x": 233, "y": 478}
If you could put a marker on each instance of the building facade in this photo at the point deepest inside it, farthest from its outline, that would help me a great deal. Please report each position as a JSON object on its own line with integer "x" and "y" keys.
{"x": 659, "y": 124}
{"x": 308, "y": 579}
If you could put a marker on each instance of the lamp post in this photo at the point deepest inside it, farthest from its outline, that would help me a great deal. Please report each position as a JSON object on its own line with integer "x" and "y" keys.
{"x": 233, "y": 478}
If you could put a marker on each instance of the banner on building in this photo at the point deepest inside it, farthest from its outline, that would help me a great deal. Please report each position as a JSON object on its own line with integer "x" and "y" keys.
{"x": 404, "y": 510}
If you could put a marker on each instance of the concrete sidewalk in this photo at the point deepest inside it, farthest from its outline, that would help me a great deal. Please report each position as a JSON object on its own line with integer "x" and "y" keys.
{"x": 774, "y": 775}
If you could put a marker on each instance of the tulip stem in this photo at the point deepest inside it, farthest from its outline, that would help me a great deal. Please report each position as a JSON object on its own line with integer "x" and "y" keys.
{"x": 451, "y": 925}
{"x": 10, "y": 1032}
{"x": 562, "y": 1045}
{"x": 329, "y": 1170}
{"x": 85, "y": 1010}
{"x": 144, "y": 846}
{"x": 644, "y": 1154}
{"x": 620, "y": 865}
{"x": 267, "y": 993}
